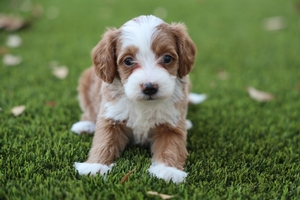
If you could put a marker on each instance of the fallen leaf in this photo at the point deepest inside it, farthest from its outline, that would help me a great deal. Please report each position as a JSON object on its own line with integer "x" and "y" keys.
{"x": 60, "y": 72}
{"x": 50, "y": 103}
{"x": 3, "y": 50}
{"x": 259, "y": 95}
{"x": 297, "y": 6}
{"x": 11, "y": 60}
{"x": 274, "y": 23}
{"x": 163, "y": 196}
{"x": 126, "y": 176}
{"x": 18, "y": 110}
{"x": 37, "y": 11}
{"x": 213, "y": 84}
{"x": 12, "y": 23}
{"x": 222, "y": 75}
{"x": 13, "y": 41}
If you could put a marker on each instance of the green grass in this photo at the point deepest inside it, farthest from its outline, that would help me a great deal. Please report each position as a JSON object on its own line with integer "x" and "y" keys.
{"x": 238, "y": 148}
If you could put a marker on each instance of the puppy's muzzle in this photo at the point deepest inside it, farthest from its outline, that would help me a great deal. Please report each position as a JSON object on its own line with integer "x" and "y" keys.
{"x": 149, "y": 88}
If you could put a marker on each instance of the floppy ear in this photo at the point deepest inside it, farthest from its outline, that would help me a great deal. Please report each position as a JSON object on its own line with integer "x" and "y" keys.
{"x": 185, "y": 47}
{"x": 104, "y": 58}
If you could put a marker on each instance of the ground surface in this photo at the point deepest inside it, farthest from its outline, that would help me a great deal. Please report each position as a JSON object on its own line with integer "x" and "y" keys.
{"x": 238, "y": 148}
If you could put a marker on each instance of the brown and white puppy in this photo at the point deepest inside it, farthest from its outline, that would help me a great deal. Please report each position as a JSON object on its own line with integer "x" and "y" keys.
{"x": 138, "y": 90}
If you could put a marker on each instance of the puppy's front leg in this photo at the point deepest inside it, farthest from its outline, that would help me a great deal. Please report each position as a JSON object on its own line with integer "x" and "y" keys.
{"x": 169, "y": 153}
{"x": 109, "y": 139}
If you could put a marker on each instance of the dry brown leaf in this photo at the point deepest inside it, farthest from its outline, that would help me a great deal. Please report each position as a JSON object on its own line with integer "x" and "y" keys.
{"x": 213, "y": 84}
{"x": 222, "y": 75}
{"x": 259, "y": 95}
{"x": 18, "y": 110}
{"x": 3, "y": 50}
{"x": 297, "y": 6}
{"x": 126, "y": 176}
{"x": 11, "y": 60}
{"x": 274, "y": 23}
{"x": 37, "y": 11}
{"x": 60, "y": 72}
{"x": 12, "y": 23}
{"x": 163, "y": 196}
{"x": 50, "y": 103}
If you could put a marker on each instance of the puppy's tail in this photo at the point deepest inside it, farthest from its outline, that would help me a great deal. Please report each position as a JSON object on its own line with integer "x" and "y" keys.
{"x": 196, "y": 98}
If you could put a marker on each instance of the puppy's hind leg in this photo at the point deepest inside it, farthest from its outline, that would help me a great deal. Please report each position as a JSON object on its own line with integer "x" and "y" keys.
{"x": 86, "y": 101}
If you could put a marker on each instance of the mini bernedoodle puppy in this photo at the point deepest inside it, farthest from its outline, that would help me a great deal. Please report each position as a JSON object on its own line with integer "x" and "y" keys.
{"x": 138, "y": 90}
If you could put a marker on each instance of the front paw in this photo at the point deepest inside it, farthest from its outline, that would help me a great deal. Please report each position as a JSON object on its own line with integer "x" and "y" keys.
{"x": 92, "y": 168}
{"x": 83, "y": 127}
{"x": 167, "y": 173}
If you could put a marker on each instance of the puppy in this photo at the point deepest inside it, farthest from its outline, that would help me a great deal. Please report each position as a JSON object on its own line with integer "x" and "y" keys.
{"x": 138, "y": 90}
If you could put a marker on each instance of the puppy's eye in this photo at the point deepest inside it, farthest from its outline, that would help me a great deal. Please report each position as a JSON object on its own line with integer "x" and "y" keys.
{"x": 167, "y": 59}
{"x": 129, "y": 61}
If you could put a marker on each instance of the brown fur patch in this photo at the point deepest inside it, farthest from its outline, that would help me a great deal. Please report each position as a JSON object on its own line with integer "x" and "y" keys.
{"x": 109, "y": 139}
{"x": 182, "y": 106}
{"x": 186, "y": 49}
{"x": 88, "y": 99}
{"x": 169, "y": 145}
{"x": 125, "y": 71}
{"x": 104, "y": 56}
{"x": 165, "y": 44}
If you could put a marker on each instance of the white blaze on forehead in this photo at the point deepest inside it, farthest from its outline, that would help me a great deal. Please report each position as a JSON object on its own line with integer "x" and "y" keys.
{"x": 139, "y": 32}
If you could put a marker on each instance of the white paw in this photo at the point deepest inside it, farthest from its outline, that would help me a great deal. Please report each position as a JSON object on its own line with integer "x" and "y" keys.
{"x": 92, "y": 168}
{"x": 167, "y": 173}
{"x": 189, "y": 124}
{"x": 83, "y": 127}
{"x": 196, "y": 98}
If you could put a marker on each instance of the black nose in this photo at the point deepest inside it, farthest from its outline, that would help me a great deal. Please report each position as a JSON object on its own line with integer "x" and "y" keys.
{"x": 149, "y": 88}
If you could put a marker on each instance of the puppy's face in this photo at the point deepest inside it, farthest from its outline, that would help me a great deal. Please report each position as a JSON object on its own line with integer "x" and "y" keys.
{"x": 147, "y": 55}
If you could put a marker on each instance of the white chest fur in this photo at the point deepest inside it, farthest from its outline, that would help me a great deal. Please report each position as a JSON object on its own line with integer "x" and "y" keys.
{"x": 141, "y": 116}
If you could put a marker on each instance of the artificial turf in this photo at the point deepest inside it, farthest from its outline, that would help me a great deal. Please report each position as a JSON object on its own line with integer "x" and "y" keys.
{"x": 238, "y": 148}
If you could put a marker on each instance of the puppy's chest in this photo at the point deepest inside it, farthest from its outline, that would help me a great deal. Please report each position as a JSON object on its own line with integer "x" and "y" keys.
{"x": 142, "y": 116}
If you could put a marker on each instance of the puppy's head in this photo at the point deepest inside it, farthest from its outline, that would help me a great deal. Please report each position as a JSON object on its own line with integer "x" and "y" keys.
{"x": 147, "y": 55}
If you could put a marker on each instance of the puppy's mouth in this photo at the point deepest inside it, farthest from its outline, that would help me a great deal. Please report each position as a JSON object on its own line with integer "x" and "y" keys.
{"x": 151, "y": 98}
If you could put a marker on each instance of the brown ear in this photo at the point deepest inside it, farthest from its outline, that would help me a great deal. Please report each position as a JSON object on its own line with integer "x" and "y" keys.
{"x": 185, "y": 47}
{"x": 104, "y": 57}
